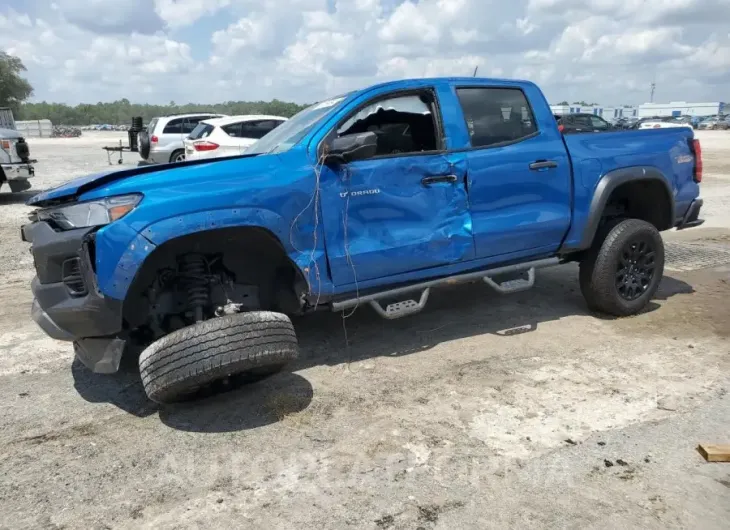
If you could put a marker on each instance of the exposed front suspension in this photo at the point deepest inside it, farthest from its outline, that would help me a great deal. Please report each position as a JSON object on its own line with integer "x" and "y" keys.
{"x": 194, "y": 273}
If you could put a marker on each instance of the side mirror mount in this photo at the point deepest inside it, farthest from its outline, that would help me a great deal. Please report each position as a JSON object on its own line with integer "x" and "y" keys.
{"x": 351, "y": 147}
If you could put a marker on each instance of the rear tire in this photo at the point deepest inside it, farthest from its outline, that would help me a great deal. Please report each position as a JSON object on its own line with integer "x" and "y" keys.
{"x": 621, "y": 276}
{"x": 250, "y": 345}
{"x": 177, "y": 156}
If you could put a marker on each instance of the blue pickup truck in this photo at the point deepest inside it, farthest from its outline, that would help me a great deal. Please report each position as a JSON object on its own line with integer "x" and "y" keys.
{"x": 370, "y": 198}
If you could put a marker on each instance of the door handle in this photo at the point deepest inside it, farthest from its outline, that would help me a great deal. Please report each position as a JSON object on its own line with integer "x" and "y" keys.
{"x": 427, "y": 181}
{"x": 543, "y": 164}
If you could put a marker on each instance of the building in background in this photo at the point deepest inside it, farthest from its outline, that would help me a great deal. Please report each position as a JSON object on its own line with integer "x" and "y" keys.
{"x": 607, "y": 113}
{"x": 682, "y": 108}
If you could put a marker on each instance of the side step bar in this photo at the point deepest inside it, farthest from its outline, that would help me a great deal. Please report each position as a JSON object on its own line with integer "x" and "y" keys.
{"x": 411, "y": 307}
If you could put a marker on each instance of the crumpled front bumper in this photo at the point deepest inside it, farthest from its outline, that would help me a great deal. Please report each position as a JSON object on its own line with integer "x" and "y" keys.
{"x": 69, "y": 307}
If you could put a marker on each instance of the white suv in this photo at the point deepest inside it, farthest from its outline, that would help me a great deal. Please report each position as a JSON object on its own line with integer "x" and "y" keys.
{"x": 164, "y": 140}
{"x": 228, "y": 136}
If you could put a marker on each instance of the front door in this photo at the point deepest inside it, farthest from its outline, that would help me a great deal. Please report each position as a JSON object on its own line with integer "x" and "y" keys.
{"x": 404, "y": 209}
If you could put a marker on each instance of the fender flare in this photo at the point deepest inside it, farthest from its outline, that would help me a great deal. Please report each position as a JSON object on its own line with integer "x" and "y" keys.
{"x": 156, "y": 234}
{"x": 607, "y": 184}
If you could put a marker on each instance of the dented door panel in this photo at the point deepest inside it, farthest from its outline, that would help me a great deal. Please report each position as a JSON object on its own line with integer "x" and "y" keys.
{"x": 381, "y": 219}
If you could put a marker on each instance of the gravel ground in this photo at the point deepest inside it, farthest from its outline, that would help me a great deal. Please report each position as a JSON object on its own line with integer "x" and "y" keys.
{"x": 484, "y": 411}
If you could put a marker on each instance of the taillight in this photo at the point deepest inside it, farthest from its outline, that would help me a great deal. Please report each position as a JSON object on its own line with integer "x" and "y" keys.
{"x": 697, "y": 150}
{"x": 204, "y": 145}
{"x": 5, "y": 144}
{"x": 154, "y": 139}
{"x": 561, "y": 128}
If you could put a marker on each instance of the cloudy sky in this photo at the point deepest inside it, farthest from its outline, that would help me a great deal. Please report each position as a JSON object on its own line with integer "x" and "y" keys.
{"x": 304, "y": 50}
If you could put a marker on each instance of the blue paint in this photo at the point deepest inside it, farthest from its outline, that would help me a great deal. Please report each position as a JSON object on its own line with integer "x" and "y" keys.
{"x": 375, "y": 223}
{"x": 594, "y": 155}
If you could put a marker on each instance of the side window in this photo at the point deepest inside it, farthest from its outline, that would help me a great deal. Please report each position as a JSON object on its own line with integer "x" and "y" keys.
{"x": 190, "y": 123}
{"x": 583, "y": 122}
{"x": 270, "y": 125}
{"x": 598, "y": 123}
{"x": 174, "y": 126}
{"x": 402, "y": 124}
{"x": 258, "y": 129}
{"x": 496, "y": 115}
{"x": 232, "y": 129}
{"x": 253, "y": 130}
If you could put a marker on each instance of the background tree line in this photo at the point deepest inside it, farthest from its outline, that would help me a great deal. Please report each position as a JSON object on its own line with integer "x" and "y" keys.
{"x": 15, "y": 90}
{"x": 121, "y": 112}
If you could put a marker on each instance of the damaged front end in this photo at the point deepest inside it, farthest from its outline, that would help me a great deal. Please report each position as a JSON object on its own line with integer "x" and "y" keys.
{"x": 67, "y": 303}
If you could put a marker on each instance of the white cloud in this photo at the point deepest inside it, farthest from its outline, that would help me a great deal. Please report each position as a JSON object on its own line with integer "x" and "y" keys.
{"x": 90, "y": 50}
{"x": 185, "y": 12}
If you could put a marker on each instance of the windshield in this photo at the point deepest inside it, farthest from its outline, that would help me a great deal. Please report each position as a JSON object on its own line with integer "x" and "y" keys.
{"x": 286, "y": 135}
{"x": 151, "y": 126}
{"x": 202, "y": 130}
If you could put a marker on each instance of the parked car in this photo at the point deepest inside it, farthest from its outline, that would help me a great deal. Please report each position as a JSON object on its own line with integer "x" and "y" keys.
{"x": 228, "y": 136}
{"x": 581, "y": 123}
{"x": 163, "y": 140}
{"x": 637, "y": 123}
{"x": 665, "y": 122}
{"x": 370, "y": 198}
{"x": 16, "y": 167}
{"x": 713, "y": 123}
{"x": 624, "y": 122}
{"x": 695, "y": 120}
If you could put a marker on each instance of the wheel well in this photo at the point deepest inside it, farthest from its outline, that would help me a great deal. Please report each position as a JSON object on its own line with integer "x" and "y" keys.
{"x": 646, "y": 199}
{"x": 254, "y": 256}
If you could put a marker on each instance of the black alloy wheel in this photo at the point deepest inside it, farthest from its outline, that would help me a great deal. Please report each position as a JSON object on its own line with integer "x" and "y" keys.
{"x": 635, "y": 269}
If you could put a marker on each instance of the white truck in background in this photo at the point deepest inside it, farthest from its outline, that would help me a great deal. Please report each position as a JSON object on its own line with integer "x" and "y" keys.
{"x": 16, "y": 167}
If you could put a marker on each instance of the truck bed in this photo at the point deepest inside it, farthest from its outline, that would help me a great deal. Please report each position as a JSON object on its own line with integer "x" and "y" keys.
{"x": 595, "y": 155}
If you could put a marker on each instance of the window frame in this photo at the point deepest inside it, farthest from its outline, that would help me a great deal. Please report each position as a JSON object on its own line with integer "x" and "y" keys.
{"x": 435, "y": 114}
{"x": 534, "y": 134}
{"x": 189, "y": 121}
{"x": 604, "y": 125}
{"x": 254, "y": 124}
{"x": 180, "y": 126}
{"x": 238, "y": 123}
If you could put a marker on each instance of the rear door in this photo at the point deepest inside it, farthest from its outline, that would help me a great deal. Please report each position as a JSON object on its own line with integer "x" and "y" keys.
{"x": 519, "y": 172}
{"x": 172, "y": 135}
{"x": 404, "y": 209}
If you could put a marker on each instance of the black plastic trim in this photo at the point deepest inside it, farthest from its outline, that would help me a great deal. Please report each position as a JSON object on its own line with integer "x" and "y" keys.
{"x": 62, "y": 315}
{"x": 691, "y": 218}
{"x": 609, "y": 182}
{"x": 50, "y": 248}
{"x": 93, "y": 315}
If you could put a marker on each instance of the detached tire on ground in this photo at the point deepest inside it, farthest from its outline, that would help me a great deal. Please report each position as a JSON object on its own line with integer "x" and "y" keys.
{"x": 175, "y": 367}
{"x": 621, "y": 276}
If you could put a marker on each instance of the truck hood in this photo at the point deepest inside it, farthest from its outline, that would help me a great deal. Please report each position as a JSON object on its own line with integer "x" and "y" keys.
{"x": 71, "y": 190}
{"x": 10, "y": 134}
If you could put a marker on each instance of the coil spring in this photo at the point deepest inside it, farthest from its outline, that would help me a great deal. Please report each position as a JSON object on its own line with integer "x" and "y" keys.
{"x": 193, "y": 268}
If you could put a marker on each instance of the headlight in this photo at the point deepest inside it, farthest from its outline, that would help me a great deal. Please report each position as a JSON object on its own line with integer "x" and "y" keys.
{"x": 92, "y": 213}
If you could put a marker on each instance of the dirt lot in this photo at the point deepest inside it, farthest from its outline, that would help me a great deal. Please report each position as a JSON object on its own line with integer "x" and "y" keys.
{"x": 484, "y": 411}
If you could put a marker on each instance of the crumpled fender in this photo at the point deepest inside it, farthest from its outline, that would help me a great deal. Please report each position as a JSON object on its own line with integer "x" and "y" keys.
{"x": 166, "y": 230}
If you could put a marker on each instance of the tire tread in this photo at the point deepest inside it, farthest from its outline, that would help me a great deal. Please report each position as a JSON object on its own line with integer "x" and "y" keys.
{"x": 206, "y": 351}
{"x": 597, "y": 274}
